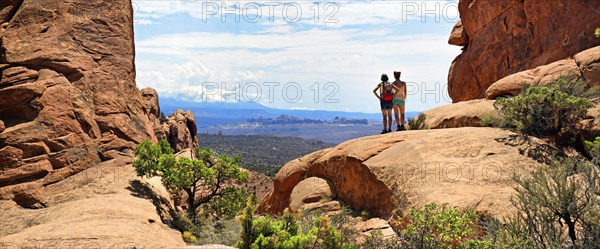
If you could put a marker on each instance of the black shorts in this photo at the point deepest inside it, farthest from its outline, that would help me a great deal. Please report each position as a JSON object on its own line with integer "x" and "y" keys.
{"x": 386, "y": 105}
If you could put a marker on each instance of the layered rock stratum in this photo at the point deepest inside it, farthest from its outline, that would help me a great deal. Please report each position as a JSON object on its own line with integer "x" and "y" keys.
{"x": 503, "y": 37}
{"x": 68, "y": 97}
{"x": 67, "y": 90}
{"x": 70, "y": 116}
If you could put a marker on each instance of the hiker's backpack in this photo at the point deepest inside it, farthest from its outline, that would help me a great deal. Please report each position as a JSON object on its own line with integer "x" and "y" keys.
{"x": 387, "y": 94}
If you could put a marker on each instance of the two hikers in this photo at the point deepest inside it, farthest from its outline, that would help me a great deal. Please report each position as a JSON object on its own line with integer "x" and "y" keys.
{"x": 391, "y": 96}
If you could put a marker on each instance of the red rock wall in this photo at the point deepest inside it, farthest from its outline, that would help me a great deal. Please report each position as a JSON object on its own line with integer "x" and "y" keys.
{"x": 509, "y": 36}
{"x": 68, "y": 97}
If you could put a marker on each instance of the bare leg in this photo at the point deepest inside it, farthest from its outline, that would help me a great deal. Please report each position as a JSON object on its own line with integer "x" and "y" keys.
{"x": 389, "y": 114}
{"x": 384, "y": 119}
{"x": 396, "y": 115}
{"x": 401, "y": 114}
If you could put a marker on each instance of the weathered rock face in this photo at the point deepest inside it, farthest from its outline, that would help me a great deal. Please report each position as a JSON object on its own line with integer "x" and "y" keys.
{"x": 151, "y": 105}
{"x": 509, "y": 36}
{"x": 105, "y": 206}
{"x": 585, "y": 65}
{"x": 67, "y": 90}
{"x": 465, "y": 167}
{"x": 152, "y": 108}
{"x": 181, "y": 130}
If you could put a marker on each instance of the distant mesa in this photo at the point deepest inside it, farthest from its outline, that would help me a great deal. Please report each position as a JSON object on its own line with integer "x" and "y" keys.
{"x": 286, "y": 119}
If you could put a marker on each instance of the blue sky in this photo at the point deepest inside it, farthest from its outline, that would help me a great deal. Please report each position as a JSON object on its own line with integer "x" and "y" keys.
{"x": 288, "y": 55}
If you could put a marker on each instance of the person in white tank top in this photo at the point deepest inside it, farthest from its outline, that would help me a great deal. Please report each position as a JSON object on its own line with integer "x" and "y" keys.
{"x": 399, "y": 101}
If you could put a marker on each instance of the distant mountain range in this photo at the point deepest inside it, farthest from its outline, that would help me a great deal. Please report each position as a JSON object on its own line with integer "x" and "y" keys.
{"x": 212, "y": 114}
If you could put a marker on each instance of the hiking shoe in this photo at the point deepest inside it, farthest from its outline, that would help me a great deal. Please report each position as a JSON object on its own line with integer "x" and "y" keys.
{"x": 389, "y": 130}
{"x": 384, "y": 131}
{"x": 398, "y": 128}
{"x": 402, "y": 128}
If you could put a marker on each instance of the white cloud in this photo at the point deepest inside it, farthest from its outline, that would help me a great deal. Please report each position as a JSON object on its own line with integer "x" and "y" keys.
{"x": 351, "y": 58}
{"x": 328, "y": 13}
{"x": 351, "y": 53}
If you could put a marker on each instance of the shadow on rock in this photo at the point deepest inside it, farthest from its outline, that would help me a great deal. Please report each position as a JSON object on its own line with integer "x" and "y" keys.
{"x": 540, "y": 152}
{"x": 167, "y": 214}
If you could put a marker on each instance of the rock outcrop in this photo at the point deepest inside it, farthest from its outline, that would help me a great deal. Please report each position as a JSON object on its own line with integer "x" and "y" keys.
{"x": 68, "y": 98}
{"x": 152, "y": 107}
{"x": 67, "y": 90}
{"x": 69, "y": 112}
{"x": 105, "y": 206}
{"x": 465, "y": 167}
{"x": 509, "y": 36}
{"x": 461, "y": 114}
{"x": 179, "y": 128}
{"x": 585, "y": 65}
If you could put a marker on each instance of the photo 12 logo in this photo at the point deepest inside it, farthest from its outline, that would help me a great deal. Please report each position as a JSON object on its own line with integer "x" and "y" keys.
{"x": 291, "y": 92}
{"x": 253, "y": 12}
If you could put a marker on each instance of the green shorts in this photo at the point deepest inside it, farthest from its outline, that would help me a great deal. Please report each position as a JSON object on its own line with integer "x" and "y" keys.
{"x": 399, "y": 102}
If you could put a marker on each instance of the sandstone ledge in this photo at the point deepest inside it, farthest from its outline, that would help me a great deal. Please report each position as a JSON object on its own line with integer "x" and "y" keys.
{"x": 465, "y": 167}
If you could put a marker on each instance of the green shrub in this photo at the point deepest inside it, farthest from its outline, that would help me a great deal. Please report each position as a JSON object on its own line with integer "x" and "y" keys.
{"x": 375, "y": 240}
{"x": 493, "y": 120}
{"x": 594, "y": 149}
{"x": 208, "y": 180}
{"x": 417, "y": 123}
{"x": 598, "y": 32}
{"x": 437, "y": 226}
{"x": 546, "y": 110}
{"x": 188, "y": 237}
{"x": 434, "y": 226}
{"x": 286, "y": 232}
{"x": 558, "y": 207}
{"x": 182, "y": 223}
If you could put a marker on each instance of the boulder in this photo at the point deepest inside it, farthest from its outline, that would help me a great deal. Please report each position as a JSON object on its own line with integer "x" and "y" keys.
{"x": 589, "y": 127}
{"x": 2, "y": 127}
{"x": 541, "y": 76}
{"x": 458, "y": 36}
{"x": 464, "y": 167}
{"x": 313, "y": 193}
{"x": 589, "y": 64}
{"x": 365, "y": 228}
{"x": 510, "y": 36}
{"x": 461, "y": 114}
